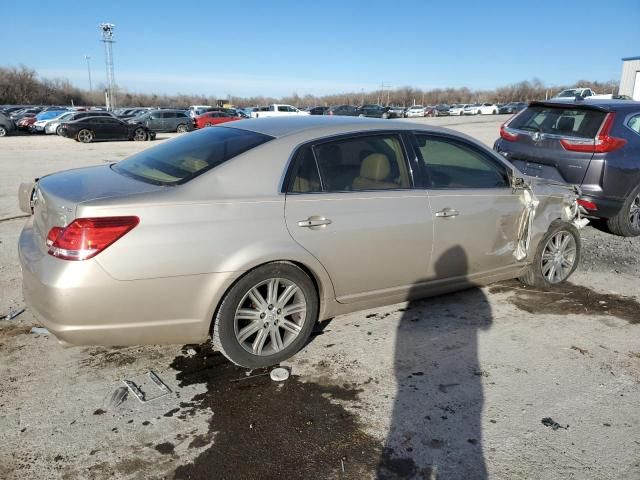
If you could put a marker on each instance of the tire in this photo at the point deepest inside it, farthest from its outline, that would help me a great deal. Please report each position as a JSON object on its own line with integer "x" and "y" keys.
{"x": 59, "y": 131}
{"x": 385, "y": 115}
{"x": 259, "y": 318}
{"x": 495, "y": 112}
{"x": 85, "y": 136}
{"x": 3, "y": 131}
{"x": 182, "y": 128}
{"x": 626, "y": 223}
{"x": 539, "y": 273}
{"x": 208, "y": 124}
{"x": 140, "y": 135}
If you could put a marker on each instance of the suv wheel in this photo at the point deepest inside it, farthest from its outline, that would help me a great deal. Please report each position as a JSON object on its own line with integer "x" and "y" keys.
{"x": 182, "y": 128}
{"x": 627, "y": 222}
{"x": 267, "y": 316}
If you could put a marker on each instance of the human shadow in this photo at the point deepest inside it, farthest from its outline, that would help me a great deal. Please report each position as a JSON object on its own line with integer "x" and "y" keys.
{"x": 436, "y": 424}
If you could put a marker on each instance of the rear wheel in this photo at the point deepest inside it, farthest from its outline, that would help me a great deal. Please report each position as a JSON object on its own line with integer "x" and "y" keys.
{"x": 3, "y": 131}
{"x": 140, "y": 135}
{"x": 385, "y": 115}
{"x": 59, "y": 130}
{"x": 556, "y": 258}
{"x": 182, "y": 128}
{"x": 627, "y": 222}
{"x": 85, "y": 136}
{"x": 361, "y": 115}
{"x": 267, "y": 316}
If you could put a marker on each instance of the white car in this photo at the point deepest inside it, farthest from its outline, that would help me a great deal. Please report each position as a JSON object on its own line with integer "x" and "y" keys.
{"x": 488, "y": 109}
{"x": 416, "y": 111}
{"x": 472, "y": 109}
{"x": 277, "y": 110}
{"x": 457, "y": 109}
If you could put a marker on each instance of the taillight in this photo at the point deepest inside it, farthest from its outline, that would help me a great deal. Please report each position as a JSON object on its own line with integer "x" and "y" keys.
{"x": 603, "y": 142}
{"x": 508, "y": 134}
{"x": 84, "y": 238}
{"x": 587, "y": 205}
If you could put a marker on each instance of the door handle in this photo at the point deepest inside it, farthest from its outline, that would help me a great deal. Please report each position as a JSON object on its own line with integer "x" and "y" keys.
{"x": 314, "y": 222}
{"x": 448, "y": 213}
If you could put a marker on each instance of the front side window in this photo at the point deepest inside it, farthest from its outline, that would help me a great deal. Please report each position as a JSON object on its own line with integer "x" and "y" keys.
{"x": 452, "y": 164}
{"x": 181, "y": 159}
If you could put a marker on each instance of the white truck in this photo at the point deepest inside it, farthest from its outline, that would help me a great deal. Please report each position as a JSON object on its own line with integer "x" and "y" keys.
{"x": 582, "y": 92}
{"x": 277, "y": 110}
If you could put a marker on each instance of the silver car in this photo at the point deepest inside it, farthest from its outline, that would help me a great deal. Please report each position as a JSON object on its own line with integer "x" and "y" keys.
{"x": 251, "y": 232}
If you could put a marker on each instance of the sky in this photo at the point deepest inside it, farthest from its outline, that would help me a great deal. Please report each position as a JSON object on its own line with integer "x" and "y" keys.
{"x": 276, "y": 48}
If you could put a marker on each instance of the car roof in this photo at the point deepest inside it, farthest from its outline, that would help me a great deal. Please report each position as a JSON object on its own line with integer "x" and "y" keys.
{"x": 279, "y": 127}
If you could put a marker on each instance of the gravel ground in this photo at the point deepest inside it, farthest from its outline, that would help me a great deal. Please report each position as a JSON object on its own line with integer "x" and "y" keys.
{"x": 454, "y": 387}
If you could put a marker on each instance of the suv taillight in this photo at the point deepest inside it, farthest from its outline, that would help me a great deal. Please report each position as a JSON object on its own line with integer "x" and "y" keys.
{"x": 84, "y": 238}
{"x": 603, "y": 142}
{"x": 508, "y": 134}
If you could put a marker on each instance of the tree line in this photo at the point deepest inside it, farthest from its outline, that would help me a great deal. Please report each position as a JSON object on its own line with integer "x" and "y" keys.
{"x": 22, "y": 86}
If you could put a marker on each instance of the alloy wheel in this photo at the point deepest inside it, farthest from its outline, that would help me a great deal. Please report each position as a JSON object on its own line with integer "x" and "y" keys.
{"x": 634, "y": 213}
{"x": 3, "y": 131}
{"x": 559, "y": 257}
{"x": 85, "y": 136}
{"x": 140, "y": 135}
{"x": 270, "y": 316}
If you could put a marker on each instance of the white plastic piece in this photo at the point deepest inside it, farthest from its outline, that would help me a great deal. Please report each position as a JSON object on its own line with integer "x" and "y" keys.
{"x": 279, "y": 374}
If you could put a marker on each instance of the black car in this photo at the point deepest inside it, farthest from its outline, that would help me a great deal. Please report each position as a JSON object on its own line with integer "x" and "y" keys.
{"x": 343, "y": 110}
{"x": 6, "y": 125}
{"x": 87, "y": 130}
{"x": 318, "y": 110}
{"x": 512, "y": 107}
{"x": 375, "y": 111}
{"x": 591, "y": 143}
{"x": 442, "y": 109}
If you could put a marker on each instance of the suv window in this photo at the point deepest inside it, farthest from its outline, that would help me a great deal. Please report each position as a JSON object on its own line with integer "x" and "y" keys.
{"x": 188, "y": 156}
{"x": 634, "y": 123}
{"x": 560, "y": 121}
{"x": 363, "y": 163}
{"x": 452, "y": 164}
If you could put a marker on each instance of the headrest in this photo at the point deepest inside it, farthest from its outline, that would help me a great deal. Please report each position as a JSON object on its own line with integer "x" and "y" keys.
{"x": 375, "y": 167}
{"x": 566, "y": 124}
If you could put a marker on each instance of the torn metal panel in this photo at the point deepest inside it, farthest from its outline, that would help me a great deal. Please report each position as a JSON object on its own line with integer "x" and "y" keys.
{"x": 525, "y": 227}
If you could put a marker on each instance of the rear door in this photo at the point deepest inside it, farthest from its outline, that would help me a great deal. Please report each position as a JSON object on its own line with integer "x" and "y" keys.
{"x": 475, "y": 211}
{"x": 360, "y": 217}
{"x": 540, "y": 129}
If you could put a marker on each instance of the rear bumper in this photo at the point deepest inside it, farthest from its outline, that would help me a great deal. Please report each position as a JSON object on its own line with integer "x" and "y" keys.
{"x": 607, "y": 207}
{"x": 81, "y": 304}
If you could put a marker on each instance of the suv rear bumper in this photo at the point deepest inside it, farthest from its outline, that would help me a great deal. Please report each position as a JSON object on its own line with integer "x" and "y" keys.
{"x": 607, "y": 207}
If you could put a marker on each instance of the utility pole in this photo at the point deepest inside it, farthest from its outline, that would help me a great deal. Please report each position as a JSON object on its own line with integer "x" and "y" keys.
{"x": 88, "y": 58}
{"x": 382, "y": 88}
{"x": 107, "y": 39}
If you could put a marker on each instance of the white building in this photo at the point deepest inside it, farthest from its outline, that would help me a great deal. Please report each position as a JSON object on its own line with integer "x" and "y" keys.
{"x": 630, "y": 78}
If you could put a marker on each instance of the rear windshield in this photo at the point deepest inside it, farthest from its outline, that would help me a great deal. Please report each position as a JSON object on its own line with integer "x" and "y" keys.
{"x": 560, "y": 121}
{"x": 178, "y": 161}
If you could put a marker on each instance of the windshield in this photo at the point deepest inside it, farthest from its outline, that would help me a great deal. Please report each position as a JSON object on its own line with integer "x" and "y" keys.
{"x": 178, "y": 161}
{"x": 568, "y": 93}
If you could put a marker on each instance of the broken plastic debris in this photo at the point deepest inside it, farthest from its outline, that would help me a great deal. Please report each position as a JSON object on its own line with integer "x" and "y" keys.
{"x": 279, "y": 374}
{"x": 531, "y": 203}
{"x": 118, "y": 397}
{"x": 39, "y": 331}
{"x": 550, "y": 422}
{"x": 12, "y": 314}
{"x": 190, "y": 352}
{"x": 142, "y": 388}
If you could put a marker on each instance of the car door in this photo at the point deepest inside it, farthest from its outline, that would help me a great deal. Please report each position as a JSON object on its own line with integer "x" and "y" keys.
{"x": 351, "y": 204}
{"x": 475, "y": 211}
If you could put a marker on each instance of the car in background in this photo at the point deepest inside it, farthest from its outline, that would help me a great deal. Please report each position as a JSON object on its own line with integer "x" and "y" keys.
{"x": 43, "y": 118}
{"x": 512, "y": 107}
{"x": 54, "y": 125}
{"x": 571, "y": 93}
{"x": 164, "y": 120}
{"x": 396, "y": 111}
{"x": 7, "y": 125}
{"x": 472, "y": 109}
{"x": 317, "y": 110}
{"x": 375, "y": 111}
{"x": 441, "y": 110}
{"x": 594, "y": 144}
{"x": 210, "y": 119}
{"x": 488, "y": 109}
{"x": 343, "y": 110}
{"x": 416, "y": 111}
{"x": 26, "y": 121}
{"x": 431, "y": 111}
{"x": 195, "y": 110}
{"x": 132, "y": 112}
{"x": 248, "y": 234}
{"x": 457, "y": 109}
{"x": 90, "y": 129}
{"x": 24, "y": 112}
{"x": 277, "y": 110}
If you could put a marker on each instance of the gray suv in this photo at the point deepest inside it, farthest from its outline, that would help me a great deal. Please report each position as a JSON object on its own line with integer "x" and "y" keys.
{"x": 591, "y": 143}
{"x": 6, "y": 125}
{"x": 165, "y": 121}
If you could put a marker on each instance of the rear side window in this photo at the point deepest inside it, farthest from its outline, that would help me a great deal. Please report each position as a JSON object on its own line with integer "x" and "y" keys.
{"x": 179, "y": 160}
{"x": 634, "y": 124}
{"x": 451, "y": 164}
{"x": 304, "y": 177}
{"x": 560, "y": 121}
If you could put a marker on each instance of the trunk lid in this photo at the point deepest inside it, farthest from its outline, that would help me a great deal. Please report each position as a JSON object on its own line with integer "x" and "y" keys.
{"x": 56, "y": 196}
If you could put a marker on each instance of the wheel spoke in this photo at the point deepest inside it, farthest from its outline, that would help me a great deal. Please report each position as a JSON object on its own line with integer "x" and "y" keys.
{"x": 565, "y": 242}
{"x": 293, "y": 309}
{"x": 258, "y": 343}
{"x": 276, "y": 339}
{"x": 291, "y": 327}
{"x": 257, "y": 298}
{"x": 288, "y": 293}
{"x": 249, "y": 330}
{"x": 546, "y": 267}
{"x": 552, "y": 271}
{"x": 248, "y": 314}
{"x": 272, "y": 291}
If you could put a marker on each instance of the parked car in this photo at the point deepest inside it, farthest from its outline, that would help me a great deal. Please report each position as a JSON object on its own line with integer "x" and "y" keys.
{"x": 210, "y": 119}
{"x": 416, "y": 111}
{"x": 19, "y": 114}
{"x": 343, "y": 110}
{"x": 593, "y": 144}
{"x": 55, "y": 126}
{"x": 164, "y": 120}
{"x": 488, "y": 109}
{"x": 441, "y": 110}
{"x": 375, "y": 111}
{"x": 132, "y": 112}
{"x": 26, "y": 121}
{"x": 472, "y": 109}
{"x": 277, "y": 110}
{"x": 457, "y": 109}
{"x": 431, "y": 111}
{"x": 512, "y": 107}
{"x": 581, "y": 92}
{"x": 90, "y": 129}
{"x": 318, "y": 110}
{"x": 195, "y": 110}
{"x": 43, "y": 118}
{"x": 253, "y": 231}
{"x": 7, "y": 125}
{"x": 396, "y": 111}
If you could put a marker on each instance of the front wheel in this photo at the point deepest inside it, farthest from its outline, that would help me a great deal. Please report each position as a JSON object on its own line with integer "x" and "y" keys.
{"x": 85, "y": 136}
{"x": 556, "y": 258}
{"x": 385, "y": 115}
{"x": 3, "y": 131}
{"x": 267, "y": 316}
{"x": 140, "y": 135}
{"x": 182, "y": 128}
{"x": 627, "y": 221}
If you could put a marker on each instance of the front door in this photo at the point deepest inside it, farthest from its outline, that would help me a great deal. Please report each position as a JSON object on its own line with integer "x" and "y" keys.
{"x": 475, "y": 211}
{"x": 360, "y": 217}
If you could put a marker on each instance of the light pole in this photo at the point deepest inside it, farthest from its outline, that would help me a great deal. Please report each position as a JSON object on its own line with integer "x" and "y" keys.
{"x": 88, "y": 58}
{"x": 107, "y": 39}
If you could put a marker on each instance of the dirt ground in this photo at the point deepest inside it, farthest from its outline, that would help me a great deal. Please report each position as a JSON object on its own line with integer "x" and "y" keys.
{"x": 504, "y": 382}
